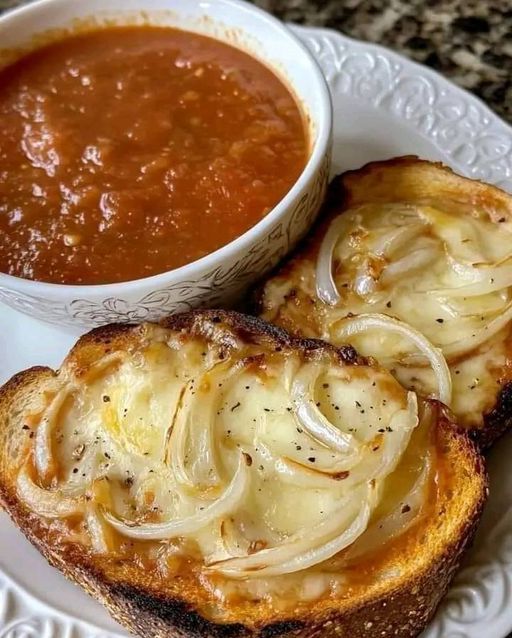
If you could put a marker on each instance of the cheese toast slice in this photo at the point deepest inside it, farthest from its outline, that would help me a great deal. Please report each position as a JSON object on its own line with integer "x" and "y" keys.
{"x": 412, "y": 264}
{"x": 213, "y": 476}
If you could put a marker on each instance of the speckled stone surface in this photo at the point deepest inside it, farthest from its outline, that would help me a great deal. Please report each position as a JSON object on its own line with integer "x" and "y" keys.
{"x": 469, "y": 41}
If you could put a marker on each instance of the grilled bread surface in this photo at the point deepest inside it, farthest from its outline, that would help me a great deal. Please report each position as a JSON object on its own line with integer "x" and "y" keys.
{"x": 93, "y": 456}
{"x": 411, "y": 240}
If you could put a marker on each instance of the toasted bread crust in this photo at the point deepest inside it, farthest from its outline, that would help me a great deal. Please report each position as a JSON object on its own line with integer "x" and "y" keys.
{"x": 411, "y": 179}
{"x": 402, "y": 610}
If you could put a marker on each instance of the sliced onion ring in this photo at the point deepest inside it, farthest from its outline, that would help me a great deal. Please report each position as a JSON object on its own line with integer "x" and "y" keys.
{"x": 42, "y": 445}
{"x": 223, "y": 506}
{"x": 393, "y": 240}
{"x": 476, "y": 306}
{"x": 462, "y": 347}
{"x": 235, "y": 544}
{"x": 46, "y": 503}
{"x": 177, "y": 444}
{"x": 479, "y": 336}
{"x": 202, "y": 411}
{"x": 43, "y": 459}
{"x": 355, "y": 325}
{"x": 326, "y": 289}
{"x": 295, "y": 473}
{"x": 404, "y": 266}
{"x": 484, "y": 282}
{"x": 303, "y": 549}
{"x": 397, "y": 521}
{"x": 453, "y": 230}
{"x": 371, "y": 464}
{"x": 98, "y": 532}
{"x": 312, "y": 419}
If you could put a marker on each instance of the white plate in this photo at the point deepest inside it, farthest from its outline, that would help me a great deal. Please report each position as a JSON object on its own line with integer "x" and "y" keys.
{"x": 384, "y": 106}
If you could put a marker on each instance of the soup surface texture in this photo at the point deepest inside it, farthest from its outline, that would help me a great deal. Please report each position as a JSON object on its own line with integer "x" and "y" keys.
{"x": 129, "y": 151}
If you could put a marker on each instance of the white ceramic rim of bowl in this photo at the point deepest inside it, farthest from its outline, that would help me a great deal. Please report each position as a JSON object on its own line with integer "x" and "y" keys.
{"x": 193, "y": 269}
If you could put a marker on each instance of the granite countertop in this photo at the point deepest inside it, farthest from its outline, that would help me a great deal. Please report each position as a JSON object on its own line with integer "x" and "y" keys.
{"x": 468, "y": 41}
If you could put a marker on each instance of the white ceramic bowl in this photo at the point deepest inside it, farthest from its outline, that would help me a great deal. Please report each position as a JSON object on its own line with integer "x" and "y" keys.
{"x": 219, "y": 277}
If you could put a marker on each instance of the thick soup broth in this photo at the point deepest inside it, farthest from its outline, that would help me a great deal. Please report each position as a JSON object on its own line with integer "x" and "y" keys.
{"x": 129, "y": 151}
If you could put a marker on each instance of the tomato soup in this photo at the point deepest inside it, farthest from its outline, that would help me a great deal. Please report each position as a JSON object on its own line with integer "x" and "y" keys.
{"x": 128, "y": 151}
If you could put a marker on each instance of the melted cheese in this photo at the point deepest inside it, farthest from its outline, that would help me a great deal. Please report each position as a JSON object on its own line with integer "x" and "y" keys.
{"x": 113, "y": 447}
{"x": 404, "y": 261}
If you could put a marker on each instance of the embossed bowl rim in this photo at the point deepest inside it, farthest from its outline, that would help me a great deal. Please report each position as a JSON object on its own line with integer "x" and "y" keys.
{"x": 321, "y": 146}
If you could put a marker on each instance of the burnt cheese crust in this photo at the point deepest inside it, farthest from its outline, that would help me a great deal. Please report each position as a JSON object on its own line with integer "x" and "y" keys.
{"x": 288, "y": 297}
{"x": 427, "y": 562}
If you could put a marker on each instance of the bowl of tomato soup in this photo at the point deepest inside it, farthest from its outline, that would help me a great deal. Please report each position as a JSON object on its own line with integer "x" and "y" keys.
{"x": 155, "y": 156}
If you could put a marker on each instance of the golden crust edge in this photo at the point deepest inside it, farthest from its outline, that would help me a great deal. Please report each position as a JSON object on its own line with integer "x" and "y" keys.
{"x": 149, "y": 614}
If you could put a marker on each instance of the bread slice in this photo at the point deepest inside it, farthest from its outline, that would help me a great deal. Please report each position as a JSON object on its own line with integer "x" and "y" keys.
{"x": 78, "y": 450}
{"x": 416, "y": 242}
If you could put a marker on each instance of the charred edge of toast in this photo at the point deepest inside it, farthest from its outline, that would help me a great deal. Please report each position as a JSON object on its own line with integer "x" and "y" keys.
{"x": 250, "y": 329}
{"x": 498, "y": 421}
{"x": 163, "y": 614}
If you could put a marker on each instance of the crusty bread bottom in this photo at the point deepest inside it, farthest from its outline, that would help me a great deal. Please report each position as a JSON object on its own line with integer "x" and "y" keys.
{"x": 400, "y": 607}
